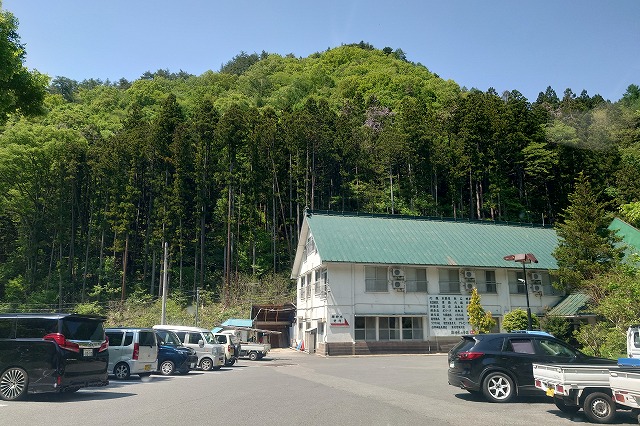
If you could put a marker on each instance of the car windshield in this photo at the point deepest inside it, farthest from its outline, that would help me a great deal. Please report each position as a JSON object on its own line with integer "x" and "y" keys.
{"x": 208, "y": 337}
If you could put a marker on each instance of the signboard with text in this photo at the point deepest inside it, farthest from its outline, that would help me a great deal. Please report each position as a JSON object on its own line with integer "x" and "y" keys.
{"x": 448, "y": 315}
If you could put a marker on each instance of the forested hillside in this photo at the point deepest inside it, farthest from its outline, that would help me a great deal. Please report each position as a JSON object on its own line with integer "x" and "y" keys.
{"x": 218, "y": 168}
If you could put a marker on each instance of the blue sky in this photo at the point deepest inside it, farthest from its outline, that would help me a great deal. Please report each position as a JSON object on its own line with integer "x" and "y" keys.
{"x": 505, "y": 44}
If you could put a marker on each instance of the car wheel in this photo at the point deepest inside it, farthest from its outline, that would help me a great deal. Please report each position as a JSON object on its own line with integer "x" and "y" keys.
{"x": 564, "y": 407}
{"x": 13, "y": 384}
{"x": 206, "y": 364}
{"x": 253, "y": 356}
{"x": 167, "y": 368}
{"x": 498, "y": 387}
{"x": 122, "y": 371}
{"x": 599, "y": 408}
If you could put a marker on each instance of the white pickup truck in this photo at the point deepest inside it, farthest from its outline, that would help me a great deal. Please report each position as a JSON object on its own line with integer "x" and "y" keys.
{"x": 578, "y": 386}
{"x": 598, "y": 389}
{"x": 625, "y": 381}
{"x": 254, "y": 351}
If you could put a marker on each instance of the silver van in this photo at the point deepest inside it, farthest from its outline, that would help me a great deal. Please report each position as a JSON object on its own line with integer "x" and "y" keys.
{"x": 210, "y": 353}
{"x": 132, "y": 351}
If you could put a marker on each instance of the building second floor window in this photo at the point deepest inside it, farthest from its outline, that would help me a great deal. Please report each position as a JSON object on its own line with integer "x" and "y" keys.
{"x": 376, "y": 279}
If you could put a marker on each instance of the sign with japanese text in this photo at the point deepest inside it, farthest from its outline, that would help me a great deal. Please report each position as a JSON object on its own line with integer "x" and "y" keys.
{"x": 448, "y": 315}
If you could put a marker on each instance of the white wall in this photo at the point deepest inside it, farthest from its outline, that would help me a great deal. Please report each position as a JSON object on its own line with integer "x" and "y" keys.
{"x": 347, "y": 298}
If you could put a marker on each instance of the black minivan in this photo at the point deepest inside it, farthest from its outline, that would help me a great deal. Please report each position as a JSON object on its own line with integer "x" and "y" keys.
{"x": 51, "y": 353}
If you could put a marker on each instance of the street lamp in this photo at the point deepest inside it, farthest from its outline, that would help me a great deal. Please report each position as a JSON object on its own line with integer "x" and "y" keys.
{"x": 524, "y": 258}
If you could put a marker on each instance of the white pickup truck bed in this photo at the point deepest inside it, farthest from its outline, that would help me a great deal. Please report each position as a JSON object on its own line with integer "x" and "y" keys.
{"x": 576, "y": 386}
{"x": 571, "y": 376}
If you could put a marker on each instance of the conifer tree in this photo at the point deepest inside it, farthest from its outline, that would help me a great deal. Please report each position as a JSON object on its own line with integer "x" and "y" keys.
{"x": 586, "y": 247}
{"x": 480, "y": 320}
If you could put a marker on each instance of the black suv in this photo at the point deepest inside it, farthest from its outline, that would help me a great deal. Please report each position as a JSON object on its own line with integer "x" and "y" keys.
{"x": 500, "y": 364}
{"x": 51, "y": 353}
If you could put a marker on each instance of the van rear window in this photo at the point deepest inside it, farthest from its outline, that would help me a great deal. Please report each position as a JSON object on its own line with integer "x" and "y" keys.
{"x": 82, "y": 329}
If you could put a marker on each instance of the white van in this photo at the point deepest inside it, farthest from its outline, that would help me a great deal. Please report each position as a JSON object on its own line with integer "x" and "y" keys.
{"x": 132, "y": 351}
{"x": 210, "y": 353}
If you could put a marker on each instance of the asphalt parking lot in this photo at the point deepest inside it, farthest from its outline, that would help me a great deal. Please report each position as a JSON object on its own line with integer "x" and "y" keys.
{"x": 291, "y": 388}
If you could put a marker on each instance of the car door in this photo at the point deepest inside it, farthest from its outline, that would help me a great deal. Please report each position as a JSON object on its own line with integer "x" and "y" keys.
{"x": 147, "y": 346}
{"x": 521, "y": 356}
{"x": 116, "y": 338}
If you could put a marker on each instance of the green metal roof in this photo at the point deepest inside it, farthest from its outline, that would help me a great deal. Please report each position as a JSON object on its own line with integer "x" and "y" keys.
{"x": 630, "y": 235}
{"x": 403, "y": 240}
{"x": 572, "y": 305}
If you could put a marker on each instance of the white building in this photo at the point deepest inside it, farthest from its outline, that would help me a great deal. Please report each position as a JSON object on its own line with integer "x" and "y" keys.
{"x": 383, "y": 284}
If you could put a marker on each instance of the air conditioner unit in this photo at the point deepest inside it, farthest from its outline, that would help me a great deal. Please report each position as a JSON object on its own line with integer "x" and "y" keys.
{"x": 470, "y": 275}
{"x": 397, "y": 273}
{"x": 536, "y": 288}
{"x": 468, "y": 287}
{"x": 536, "y": 276}
{"x": 398, "y": 284}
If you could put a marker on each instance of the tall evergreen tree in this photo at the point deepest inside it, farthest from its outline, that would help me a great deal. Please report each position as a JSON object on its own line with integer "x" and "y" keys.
{"x": 586, "y": 247}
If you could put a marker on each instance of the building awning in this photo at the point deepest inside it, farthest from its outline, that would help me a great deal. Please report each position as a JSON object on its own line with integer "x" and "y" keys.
{"x": 238, "y": 322}
{"x": 573, "y": 305}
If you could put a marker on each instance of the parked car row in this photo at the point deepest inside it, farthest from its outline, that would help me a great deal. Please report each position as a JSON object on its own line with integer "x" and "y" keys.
{"x": 66, "y": 352}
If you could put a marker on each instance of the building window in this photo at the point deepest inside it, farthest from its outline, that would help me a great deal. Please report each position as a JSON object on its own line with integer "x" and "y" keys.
{"x": 310, "y": 247}
{"x": 320, "y": 285}
{"x": 365, "y": 328}
{"x": 389, "y": 328}
{"x": 449, "y": 281}
{"x": 516, "y": 283}
{"x": 300, "y": 287}
{"x": 419, "y": 284}
{"x": 308, "y": 294}
{"x": 376, "y": 279}
{"x": 489, "y": 285}
{"x": 411, "y": 328}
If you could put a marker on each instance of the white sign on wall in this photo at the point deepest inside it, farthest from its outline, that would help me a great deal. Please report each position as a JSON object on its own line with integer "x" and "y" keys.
{"x": 448, "y": 315}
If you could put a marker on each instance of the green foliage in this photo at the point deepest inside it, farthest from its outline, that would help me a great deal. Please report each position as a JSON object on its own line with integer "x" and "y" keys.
{"x": 602, "y": 340}
{"x": 557, "y": 326}
{"x": 480, "y": 320}
{"x": 21, "y": 90}
{"x": 517, "y": 320}
{"x": 614, "y": 297}
{"x": 92, "y": 308}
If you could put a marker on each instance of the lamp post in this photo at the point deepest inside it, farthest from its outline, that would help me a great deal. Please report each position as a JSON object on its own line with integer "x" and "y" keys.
{"x": 524, "y": 258}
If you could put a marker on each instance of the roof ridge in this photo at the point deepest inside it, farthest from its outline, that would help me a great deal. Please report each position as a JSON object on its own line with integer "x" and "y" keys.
{"x": 309, "y": 212}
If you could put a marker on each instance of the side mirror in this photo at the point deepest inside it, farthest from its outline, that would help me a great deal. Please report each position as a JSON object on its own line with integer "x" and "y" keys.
{"x": 201, "y": 343}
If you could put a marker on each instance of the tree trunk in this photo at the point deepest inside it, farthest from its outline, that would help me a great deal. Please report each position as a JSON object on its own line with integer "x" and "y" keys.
{"x": 125, "y": 256}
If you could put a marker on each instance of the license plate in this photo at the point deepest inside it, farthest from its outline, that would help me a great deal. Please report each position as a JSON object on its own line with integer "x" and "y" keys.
{"x": 451, "y": 364}
{"x": 550, "y": 392}
{"x": 87, "y": 352}
{"x": 147, "y": 367}
{"x": 193, "y": 365}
